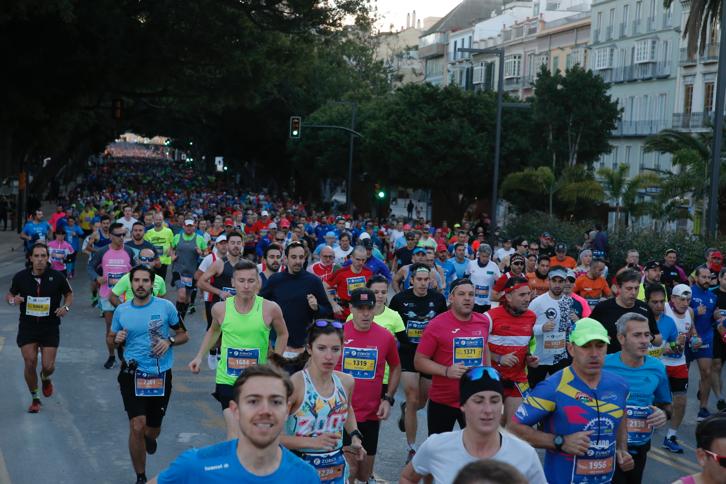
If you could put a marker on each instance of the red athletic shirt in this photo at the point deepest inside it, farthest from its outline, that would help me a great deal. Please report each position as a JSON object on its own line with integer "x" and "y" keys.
{"x": 510, "y": 334}
{"x": 441, "y": 336}
{"x": 345, "y": 281}
{"x": 365, "y": 354}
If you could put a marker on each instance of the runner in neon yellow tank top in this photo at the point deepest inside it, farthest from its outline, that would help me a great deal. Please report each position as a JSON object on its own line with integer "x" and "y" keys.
{"x": 244, "y": 322}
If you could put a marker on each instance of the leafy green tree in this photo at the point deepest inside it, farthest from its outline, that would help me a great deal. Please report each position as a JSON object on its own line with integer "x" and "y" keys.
{"x": 624, "y": 192}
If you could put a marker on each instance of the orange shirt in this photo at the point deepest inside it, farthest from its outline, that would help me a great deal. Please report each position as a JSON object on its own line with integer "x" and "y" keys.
{"x": 568, "y": 262}
{"x": 538, "y": 286}
{"x": 591, "y": 289}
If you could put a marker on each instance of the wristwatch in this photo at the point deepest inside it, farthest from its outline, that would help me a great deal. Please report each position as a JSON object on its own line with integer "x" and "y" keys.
{"x": 67, "y": 308}
{"x": 559, "y": 441}
{"x": 389, "y": 399}
{"x": 356, "y": 433}
{"x": 171, "y": 340}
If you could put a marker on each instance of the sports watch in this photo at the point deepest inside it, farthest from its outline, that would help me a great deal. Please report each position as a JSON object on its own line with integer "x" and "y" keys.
{"x": 559, "y": 441}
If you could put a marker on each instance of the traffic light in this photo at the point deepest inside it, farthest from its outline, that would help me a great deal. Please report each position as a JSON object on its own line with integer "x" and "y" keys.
{"x": 380, "y": 192}
{"x": 295, "y": 127}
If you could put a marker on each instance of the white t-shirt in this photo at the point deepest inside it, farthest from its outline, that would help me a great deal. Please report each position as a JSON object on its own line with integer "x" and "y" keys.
{"x": 443, "y": 455}
{"x": 128, "y": 225}
{"x": 341, "y": 255}
{"x": 551, "y": 344}
{"x": 483, "y": 279}
{"x": 204, "y": 266}
{"x": 501, "y": 253}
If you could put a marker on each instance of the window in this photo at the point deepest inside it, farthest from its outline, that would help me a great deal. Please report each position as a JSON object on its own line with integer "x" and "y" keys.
{"x": 598, "y": 25}
{"x": 555, "y": 64}
{"x": 627, "y": 155}
{"x": 576, "y": 56}
{"x": 604, "y": 58}
{"x": 512, "y": 66}
{"x": 456, "y": 50}
{"x": 708, "y": 96}
{"x": 652, "y": 9}
{"x": 645, "y": 51}
{"x": 688, "y": 98}
{"x": 615, "y": 154}
{"x": 638, "y": 10}
{"x": 626, "y": 11}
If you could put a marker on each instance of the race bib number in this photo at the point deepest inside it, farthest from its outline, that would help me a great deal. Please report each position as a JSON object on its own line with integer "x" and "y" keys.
{"x": 186, "y": 281}
{"x": 113, "y": 277}
{"x": 331, "y": 467}
{"x": 57, "y": 255}
{"x": 587, "y": 469}
{"x": 592, "y": 301}
{"x": 230, "y": 290}
{"x": 360, "y": 363}
{"x": 353, "y": 283}
{"x": 37, "y": 306}
{"x": 149, "y": 385}
{"x": 553, "y": 343}
{"x": 239, "y": 359}
{"x": 639, "y": 432}
{"x": 481, "y": 292}
{"x": 469, "y": 351}
{"x": 414, "y": 330}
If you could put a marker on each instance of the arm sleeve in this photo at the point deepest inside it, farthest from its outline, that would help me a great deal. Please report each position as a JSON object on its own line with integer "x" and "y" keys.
{"x": 324, "y": 308}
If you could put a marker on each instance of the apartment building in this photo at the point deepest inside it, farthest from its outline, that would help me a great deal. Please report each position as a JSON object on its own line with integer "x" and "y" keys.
{"x": 635, "y": 47}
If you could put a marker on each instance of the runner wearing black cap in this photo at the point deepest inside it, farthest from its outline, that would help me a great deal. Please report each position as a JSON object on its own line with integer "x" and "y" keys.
{"x": 442, "y": 455}
{"x": 561, "y": 258}
{"x": 651, "y": 276}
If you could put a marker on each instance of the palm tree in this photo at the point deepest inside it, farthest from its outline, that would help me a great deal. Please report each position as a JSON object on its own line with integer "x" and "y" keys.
{"x": 691, "y": 153}
{"x": 703, "y": 17}
{"x": 574, "y": 184}
{"x": 624, "y": 192}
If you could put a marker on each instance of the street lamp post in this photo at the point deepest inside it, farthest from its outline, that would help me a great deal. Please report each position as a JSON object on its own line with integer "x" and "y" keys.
{"x": 717, "y": 131}
{"x": 498, "y": 137}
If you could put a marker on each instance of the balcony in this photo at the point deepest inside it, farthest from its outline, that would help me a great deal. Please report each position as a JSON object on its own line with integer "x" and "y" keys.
{"x": 710, "y": 53}
{"x": 687, "y": 59}
{"x": 640, "y": 128}
{"x": 636, "y": 26}
{"x": 609, "y": 33}
{"x": 513, "y": 83}
{"x": 432, "y": 50}
{"x": 622, "y": 29}
{"x": 641, "y": 72}
{"x": 689, "y": 121}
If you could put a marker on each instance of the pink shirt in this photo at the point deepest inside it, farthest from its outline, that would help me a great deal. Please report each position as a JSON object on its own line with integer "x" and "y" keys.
{"x": 365, "y": 354}
{"x": 447, "y": 339}
{"x": 115, "y": 263}
{"x": 59, "y": 250}
{"x": 586, "y": 309}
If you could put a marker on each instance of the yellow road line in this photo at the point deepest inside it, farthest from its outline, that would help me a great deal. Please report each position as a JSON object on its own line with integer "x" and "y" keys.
{"x": 675, "y": 462}
{"x": 4, "y": 476}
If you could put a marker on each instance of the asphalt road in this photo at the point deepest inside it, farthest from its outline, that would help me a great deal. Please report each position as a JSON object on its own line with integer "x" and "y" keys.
{"x": 80, "y": 435}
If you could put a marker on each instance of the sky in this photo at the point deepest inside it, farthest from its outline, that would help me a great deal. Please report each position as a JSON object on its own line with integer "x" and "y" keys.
{"x": 394, "y": 11}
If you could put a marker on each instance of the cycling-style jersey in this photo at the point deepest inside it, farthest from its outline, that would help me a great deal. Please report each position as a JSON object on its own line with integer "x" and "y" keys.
{"x": 704, "y": 303}
{"x": 565, "y": 404}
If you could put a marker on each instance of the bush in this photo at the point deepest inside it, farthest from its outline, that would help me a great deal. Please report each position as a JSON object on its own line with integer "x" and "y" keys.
{"x": 651, "y": 245}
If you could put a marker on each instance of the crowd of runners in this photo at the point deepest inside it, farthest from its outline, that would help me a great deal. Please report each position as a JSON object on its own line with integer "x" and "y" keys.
{"x": 315, "y": 319}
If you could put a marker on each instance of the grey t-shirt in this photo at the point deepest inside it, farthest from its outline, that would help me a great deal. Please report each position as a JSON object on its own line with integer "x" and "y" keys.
{"x": 443, "y": 455}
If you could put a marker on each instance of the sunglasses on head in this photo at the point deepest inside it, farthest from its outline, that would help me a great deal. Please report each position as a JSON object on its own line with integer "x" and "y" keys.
{"x": 322, "y": 323}
{"x": 476, "y": 373}
{"x": 721, "y": 459}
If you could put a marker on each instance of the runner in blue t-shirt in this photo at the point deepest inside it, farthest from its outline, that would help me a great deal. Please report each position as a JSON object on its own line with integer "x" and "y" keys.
{"x": 648, "y": 383}
{"x": 581, "y": 408}
{"x": 704, "y": 304}
{"x": 35, "y": 230}
{"x": 261, "y": 395}
{"x": 143, "y": 326}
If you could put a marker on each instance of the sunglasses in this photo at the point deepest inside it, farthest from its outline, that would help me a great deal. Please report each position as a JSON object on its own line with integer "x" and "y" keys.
{"x": 328, "y": 256}
{"x": 146, "y": 259}
{"x": 524, "y": 245}
{"x": 721, "y": 459}
{"x": 517, "y": 263}
{"x": 117, "y": 235}
{"x": 476, "y": 373}
{"x": 322, "y": 323}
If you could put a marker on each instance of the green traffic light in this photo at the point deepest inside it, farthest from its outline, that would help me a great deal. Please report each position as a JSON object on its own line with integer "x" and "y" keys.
{"x": 381, "y": 194}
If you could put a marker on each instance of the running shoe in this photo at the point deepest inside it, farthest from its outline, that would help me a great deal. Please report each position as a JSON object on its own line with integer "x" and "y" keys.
{"x": 402, "y": 418}
{"x": 110, "y": 362}
{"x": 141, "y": 480}
{"x": 721, "y": 405}
{"x": 35, "y": 406}
{"x": 672, "y": 445}
{"x": 703, "y": 414}
{"x": 150, "y": 445}
{"x": 47, "y": 388}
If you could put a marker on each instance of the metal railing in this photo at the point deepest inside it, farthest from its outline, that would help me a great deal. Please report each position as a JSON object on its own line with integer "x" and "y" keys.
{"x": 693, "y": 120}
{"x": 687, "y": 59}
{"x": 710, "y": 53}
{"x": 640, "y": 128}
